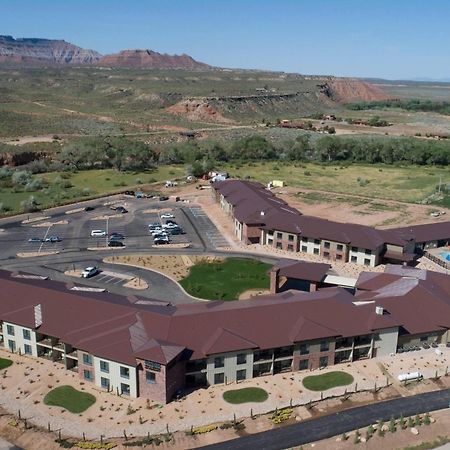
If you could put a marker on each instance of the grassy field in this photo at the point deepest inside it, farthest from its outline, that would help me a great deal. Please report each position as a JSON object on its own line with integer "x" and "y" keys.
{"x": 245, "y": 395}
{"x": 5, "y": 363}
{"x": 87, "y": 184}
{"x": 69, "y": 398}
{"x": 327, "y": 381}
{"x": 226, "y": 280}
{"x": 408, "y": 183}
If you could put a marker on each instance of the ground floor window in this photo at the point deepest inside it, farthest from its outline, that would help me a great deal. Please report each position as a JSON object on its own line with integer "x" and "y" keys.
{"x": 279, "y": 245}
{"x": 326, "y": 254}
{"x": 12, "y": 345}
{"x": 28, "y": 349}
{"x": 366, "y": 262}
{"x": 262, "y": 369}
{"x": 304, "y": 364}
{"x": 241, "y": 375}
{"x": 304, "y": 248}
{"x": 196, "y": 379}
{"x": 87, "y": 375}
{"x": 316, "y": 251}
{"x": 125, "y": 388}
{"x": 290, "y": 248}
{"x": 354, "y": 259}
{"x": 323, "y": 361}
{"x": 104, "y": 382}
{"x": 338, "y": 257}
{"x": 219, "y": 378}
{"x": 150, "y": 377}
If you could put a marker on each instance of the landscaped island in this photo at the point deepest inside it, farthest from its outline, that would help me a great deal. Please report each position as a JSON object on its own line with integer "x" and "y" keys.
{"x": 327, "y": 381}
{"x": 226, "y": 280}
{"x": 69, "y": 398}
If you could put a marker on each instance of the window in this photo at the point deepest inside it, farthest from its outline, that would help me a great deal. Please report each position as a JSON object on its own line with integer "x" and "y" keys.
{"x": 219, "y": 362}
{"x": 290, "y": 248}
{"x": 338, "y": 257}
{"x": 354, "y": 259}
{"x": 304, "y": 239}
{"x": 326, "y": 254}
{"x": 368, "y": 252}
{"x": 219, "y": 378}
{"x": 104, "y": 367}
{"x": 124, "y": 372}
{"x": 324, "y": 346}
{"x": 340, "y": 247}
{"x": 317, "y": 241}
{"x": 269, "y": 241}
{"x": 87, "y": 359}
{"x": 27, "y": 349}
{"x": 304, "y": 248}
{"x": 104, "y": 382}
{"x": 366, "y": 261}
{"x": 424, "y": 339}
{"x": 304, "y": 364}
{"x": 291, "y": 238}
{"x": 26, "y": 334}
{"x": 12, "y": 345}
{"x": 354, "y": 249}
{"x": 241, "y": 375}
{"x": 87, "y": 375}
{"x": 241, "y": 358}
{"x": 316, "y": 251}
{"x": 150, "y": 365}
{"x": 326, "y": 245}
{"x": 10, "y": 330}
{"x": 279, "y": 245}
{"x": 304, "y": 349}
{"x": 150, "y": 377}
{"x": 323, "y": 361}
{"x": 125, "y": 388}
{"x": 279, "y": 235}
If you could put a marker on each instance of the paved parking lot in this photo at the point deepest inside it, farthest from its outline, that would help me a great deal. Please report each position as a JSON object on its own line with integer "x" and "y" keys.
{"x": 75, "y": 228}
{"x": 206, "y": 228}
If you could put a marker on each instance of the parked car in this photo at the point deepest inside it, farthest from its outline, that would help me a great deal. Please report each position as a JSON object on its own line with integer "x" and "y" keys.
{"x": 163, "y": 198}
{"x": 139, "y": 194}
{"x": 89, "y": 208}
{"x": 121, "y": 210}
{"x": 90, "y": 272}
{"x": 171, "y": 221}
{"x": 115, "y": 243}
{"x": 176, "y": 231}
{"x": 167, "y": 216}
{"x": 170, "y": 225}
{"x": 34, "y": 239}
{"x": 53, "y": 239}
{"x": 129, "y": 193}
{"x": 161, "y": 241}
{"x": 158, "y": 231}
{"x": 98, "y": 233}
{"x": 154, "y": 225}
{"x": 116, "y": 236}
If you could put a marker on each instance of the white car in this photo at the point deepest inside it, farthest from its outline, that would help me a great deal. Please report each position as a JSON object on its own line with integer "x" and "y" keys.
{"x": 98, "y": 233}
{"x": 167, "y": 216}
{"x": 158, "y": 231}
{"x": 90, "y": 272}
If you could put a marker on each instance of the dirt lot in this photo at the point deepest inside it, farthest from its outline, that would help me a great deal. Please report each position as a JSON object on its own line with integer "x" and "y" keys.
{"x": 359, "y": 209}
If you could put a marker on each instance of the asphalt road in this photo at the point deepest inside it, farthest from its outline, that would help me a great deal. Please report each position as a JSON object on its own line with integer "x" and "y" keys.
{"x": 338, "y": 423}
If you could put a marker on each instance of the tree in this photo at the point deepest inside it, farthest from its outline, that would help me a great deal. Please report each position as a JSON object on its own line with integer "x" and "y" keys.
{"x": 21, "y": 177}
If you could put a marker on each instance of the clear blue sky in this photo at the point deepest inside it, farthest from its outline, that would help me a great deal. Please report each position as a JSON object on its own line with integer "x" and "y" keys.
{"x": 367, "y": 38}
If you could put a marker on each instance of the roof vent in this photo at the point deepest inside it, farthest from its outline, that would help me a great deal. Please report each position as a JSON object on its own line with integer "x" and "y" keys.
{"x": 379, "y": 310}
{"x": 37, "y": 316}
{"x": 263, "y": 213}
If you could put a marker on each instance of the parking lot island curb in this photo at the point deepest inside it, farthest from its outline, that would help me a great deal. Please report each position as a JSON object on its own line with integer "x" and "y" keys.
{"x": 33, "y": 254}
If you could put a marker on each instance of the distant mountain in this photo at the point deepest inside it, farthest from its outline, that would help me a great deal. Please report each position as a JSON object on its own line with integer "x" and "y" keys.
{"x": 32, "y": 51}
{"x": 150, "y": 59}
{"x": 432, "y": 80}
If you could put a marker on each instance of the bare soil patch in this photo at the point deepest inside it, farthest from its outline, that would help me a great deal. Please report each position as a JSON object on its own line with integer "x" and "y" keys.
{"x": 33, "y": 254}
{"x": 174, "y": 266}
